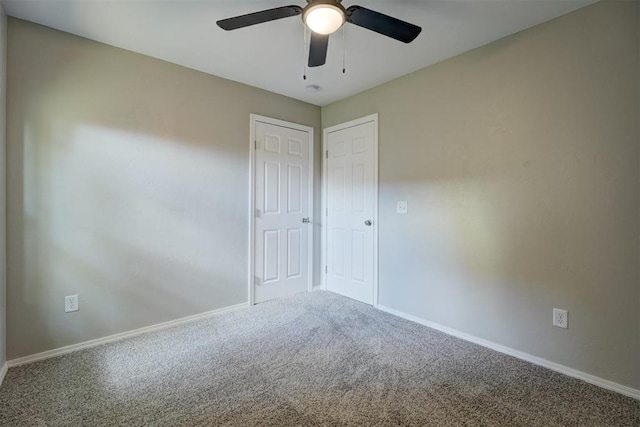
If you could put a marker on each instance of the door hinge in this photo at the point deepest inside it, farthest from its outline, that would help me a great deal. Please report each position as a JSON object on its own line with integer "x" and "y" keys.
{"x": 256, "y": 280}
{"x": 257, "y": 213}
{"x": 255, "y": 144}
{"x": 326, "y": 211}
{"x": 326, "y": 269}
{"x": 326, "y": 154}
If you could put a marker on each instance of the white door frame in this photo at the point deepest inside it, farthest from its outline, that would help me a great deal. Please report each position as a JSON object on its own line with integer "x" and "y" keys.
{"x": 325, "y": 175}
{"x": 254, "y": 119}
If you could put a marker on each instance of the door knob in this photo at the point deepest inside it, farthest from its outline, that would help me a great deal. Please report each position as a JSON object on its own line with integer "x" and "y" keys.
{"x": 368, "y": 223}
{"x": 306, "y": 220}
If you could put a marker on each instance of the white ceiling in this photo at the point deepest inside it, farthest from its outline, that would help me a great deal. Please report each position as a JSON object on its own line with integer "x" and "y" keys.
{"x": 270, "y": 55}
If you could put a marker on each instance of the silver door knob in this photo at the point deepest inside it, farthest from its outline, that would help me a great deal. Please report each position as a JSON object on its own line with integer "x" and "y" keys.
{"x": 368, "y": 223}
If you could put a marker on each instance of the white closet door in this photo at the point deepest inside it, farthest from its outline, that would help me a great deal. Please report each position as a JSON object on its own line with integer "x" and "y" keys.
{"x": 350, "y": 216}
{"x": 282, "y": 212}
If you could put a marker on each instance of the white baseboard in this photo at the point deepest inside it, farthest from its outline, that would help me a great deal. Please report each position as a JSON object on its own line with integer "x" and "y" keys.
{"x": 117, "y": 337}
{"x": 3, "y": 371}
{"x": 592, "y": 379}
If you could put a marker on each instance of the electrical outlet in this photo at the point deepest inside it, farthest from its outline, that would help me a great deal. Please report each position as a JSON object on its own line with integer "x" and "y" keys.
{"x": 401, "y": 207}
{"x": 560, "y": 318}
{"x": 71, "y": 303}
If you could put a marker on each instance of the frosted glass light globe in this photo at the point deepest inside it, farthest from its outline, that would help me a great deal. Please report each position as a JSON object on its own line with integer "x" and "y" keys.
{"x": 324, "y": 18}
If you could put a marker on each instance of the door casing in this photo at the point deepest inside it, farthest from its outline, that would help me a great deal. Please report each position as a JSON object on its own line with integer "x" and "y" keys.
{"x": 325, "y": 176}
{"x": 255, "y": 118}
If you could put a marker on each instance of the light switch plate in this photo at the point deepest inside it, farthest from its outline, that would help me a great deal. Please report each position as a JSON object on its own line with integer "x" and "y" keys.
{"x": 401, "y": 207}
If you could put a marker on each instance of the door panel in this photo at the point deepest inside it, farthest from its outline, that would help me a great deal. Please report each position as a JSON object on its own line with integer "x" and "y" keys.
{"x": 358, "y": 239}
{"x": 293, "y": 252}
{"x": 271, "y": 254}
{"x": 282, "y": 202}
{"x": 350, "y": 203}
{"x": 358, "y": 192}
{"x": 337, "y": 267}
{"x": 271, "y": 187}
{"x": 294, "y": 190}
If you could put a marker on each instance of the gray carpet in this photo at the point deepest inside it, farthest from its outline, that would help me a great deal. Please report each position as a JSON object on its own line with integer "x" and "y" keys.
{"x": 311, "y": 360}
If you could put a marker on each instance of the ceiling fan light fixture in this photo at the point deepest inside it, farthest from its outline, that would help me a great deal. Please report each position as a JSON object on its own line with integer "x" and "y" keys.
{"x": 324, "y": 18}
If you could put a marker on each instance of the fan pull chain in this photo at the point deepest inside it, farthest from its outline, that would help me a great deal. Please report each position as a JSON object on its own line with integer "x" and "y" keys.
{"x": 304, "y": 53}
{"x": 344, "y": 51}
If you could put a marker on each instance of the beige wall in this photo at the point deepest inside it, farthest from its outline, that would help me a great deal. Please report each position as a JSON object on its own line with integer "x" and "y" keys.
{"x": 128, "y": 183}
{"x": 519, "y": 161}
{"x": 3, "y": 199}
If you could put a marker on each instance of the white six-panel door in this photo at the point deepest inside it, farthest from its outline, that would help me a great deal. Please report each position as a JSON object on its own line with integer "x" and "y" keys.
{"x": 282, "y": 211}
{"x": 351, "y": 210}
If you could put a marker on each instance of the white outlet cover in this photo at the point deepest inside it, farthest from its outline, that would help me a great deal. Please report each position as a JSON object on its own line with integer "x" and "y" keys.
{"x": 560, "y": 318}
{"x": 71, "y": 303}
{"x": 401, "y": 207}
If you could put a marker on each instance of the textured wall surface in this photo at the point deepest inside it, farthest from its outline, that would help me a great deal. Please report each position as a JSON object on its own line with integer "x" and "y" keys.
{"x": 519, "y": 162}
{"x": 3, "y": 194}
{"x": 128, "y": 184}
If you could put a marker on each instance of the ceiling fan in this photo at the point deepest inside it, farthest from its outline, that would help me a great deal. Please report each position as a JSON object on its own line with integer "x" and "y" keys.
{"x": 324, "y": 17}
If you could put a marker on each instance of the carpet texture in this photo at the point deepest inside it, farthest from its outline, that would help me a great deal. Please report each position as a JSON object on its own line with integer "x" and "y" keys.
{"x": 315, "y": 359}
